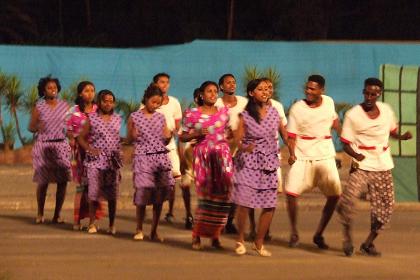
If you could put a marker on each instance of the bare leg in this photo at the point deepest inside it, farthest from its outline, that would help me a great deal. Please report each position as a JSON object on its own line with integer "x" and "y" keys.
{"x": 241, "y": 217}
{"x": 157, "y": 210}
{"x": 292, "y": 211}
{"x": 186, "y": 195}
{"x": 92, "y": 212}
{"x": 41, "y": 194}
{"x": 327, "y": 213}
{"x": 252, "y": 225}
{"x": 263, "y": 226}
{"x": 60, "y": 195}
{"x": 112, "y": 209}
{"x": 140, "y": 213}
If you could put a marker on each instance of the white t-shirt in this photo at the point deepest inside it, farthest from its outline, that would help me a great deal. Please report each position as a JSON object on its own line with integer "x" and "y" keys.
{"x": 234, "y": 111}
{"x": 370, "y": 137}
{"x": 172, "y": 112}
{"x": 279, "y": 107}
{"x": 312, "y": 129}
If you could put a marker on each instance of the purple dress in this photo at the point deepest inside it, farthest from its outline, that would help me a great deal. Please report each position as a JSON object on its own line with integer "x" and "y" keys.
{"x": 255, "y": 176}
{"x": 152, "y": 175}
{"x": 51, "y": 151}
{"x": 103, "y": 171}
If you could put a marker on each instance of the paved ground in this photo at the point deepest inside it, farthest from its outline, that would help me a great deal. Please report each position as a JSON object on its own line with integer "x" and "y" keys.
{"x": 29, "y": 251}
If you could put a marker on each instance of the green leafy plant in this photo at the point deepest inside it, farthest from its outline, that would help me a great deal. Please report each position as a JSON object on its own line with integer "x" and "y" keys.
{"x": 125, "y": 108}
{"x": 30, "y": 98}
{"x": 253, "y": 72}
{"x": 14, "y": 96}
{"x": 9, "y": 136}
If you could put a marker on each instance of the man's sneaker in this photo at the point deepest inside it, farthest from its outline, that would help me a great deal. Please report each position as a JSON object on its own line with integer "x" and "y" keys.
{"x": 189, "y": 222}
{"x": 230, "y": 229}
{"x": 294, "y": 240}
{"x": 369, "y": 250}
{"x": 348, "y": 248}
{"x": 320, "y": 242}
{"x": 169, "y": 218}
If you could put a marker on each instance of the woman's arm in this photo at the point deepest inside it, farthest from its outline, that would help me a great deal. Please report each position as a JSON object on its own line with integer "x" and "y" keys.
{"x": 34, "y": 124}
{"x": 131, "y": 131}
{"x": 82, "y": 140}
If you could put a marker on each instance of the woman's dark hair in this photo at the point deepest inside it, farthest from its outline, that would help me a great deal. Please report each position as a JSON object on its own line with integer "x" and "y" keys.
{"x": 100, "y": 97}
{"x": 197, "y": 96}
{"x": 251, "y": 106}
{"x": 79, "y": 99}
{"x": 43, "y": 83}
{"x": 200, "y": 101}
{"x": 151, "y": 90}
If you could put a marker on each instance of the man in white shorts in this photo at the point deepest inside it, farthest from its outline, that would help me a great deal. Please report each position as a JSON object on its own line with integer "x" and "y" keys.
{"x": 236, "y": 104}
{"x": 312, "y": 157}
{"x": 171, "y": 109}
{"x": 366, "y": 131}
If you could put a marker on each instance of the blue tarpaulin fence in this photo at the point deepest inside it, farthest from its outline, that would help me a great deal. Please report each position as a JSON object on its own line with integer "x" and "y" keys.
{"x": 127, "y": 72}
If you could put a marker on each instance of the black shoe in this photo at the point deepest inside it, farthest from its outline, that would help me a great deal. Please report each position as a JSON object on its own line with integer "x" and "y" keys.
{"x": 189, "y": 222}
{"x": 369, "y": 250}
{"x": 320, "y": 242}
{"x": 215, "y": 243}
{"x": 294, "y": 240}
{"x": 348, "y": 248}
{"x": 230, "y": 229}
{"x": 169, "y": 218}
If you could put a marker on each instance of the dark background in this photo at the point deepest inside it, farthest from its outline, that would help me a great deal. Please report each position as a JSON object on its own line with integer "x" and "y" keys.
{"x": 136, "y": 23}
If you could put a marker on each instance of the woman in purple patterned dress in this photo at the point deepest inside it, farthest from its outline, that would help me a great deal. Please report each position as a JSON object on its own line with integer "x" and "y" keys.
{"x": 256, "y": 163}
{"x": 51, "y": 152}
{"x": 103, "y": 159}
{"x": 75, "y": 120}
{"x": 152, "y": 176}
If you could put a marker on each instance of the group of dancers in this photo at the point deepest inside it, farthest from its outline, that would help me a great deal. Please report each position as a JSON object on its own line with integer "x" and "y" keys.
{"x": 228, "y": 148}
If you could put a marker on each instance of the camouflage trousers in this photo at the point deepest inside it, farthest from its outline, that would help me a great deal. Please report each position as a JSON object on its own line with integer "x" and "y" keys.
{"x": 379, "y": 186}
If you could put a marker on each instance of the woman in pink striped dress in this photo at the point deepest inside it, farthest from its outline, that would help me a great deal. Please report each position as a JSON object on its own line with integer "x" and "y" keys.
{"x": 51, "y": 151}
{"x": 76, "y": 118}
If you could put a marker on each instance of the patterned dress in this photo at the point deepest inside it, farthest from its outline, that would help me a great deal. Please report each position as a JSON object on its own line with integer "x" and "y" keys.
{"x": 51, "y": 151}
{"x": 152, "y": 175}
{"x": 75, "y": 120}
{"x": 103, "y": 170}
{"x": 255, "y": 176}
{"x": 212, "y": 165}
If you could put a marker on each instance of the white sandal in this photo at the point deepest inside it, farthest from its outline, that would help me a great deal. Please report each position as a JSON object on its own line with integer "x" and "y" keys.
{"x": 240, "y": 248}
{"x": 262, "y": 251}
{"x": 138, "y": 236}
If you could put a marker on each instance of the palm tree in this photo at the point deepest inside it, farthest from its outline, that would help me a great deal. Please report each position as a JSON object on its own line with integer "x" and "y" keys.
{"x": 252, "y": 72}
{"x": 30, "y": 98}
{"x": 14, "y": 96}
{"x": 3, "y": 83}
{"x": 127, "y": 107}
{"x": 8, "y": 136}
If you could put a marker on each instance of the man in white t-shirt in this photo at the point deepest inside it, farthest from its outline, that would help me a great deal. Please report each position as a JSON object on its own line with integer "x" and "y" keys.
{"x": 236, "y": 104}
{"x": 312, "y": 157}
{"x": 171, "y": 109}
{"x": 366, "y": 131}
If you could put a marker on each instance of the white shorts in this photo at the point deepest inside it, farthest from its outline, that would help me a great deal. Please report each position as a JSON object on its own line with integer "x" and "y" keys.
{"x": 174, "y": 158}
{"x": 280, "y": 178}
{"x": 307, "y": 174}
